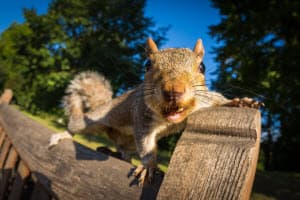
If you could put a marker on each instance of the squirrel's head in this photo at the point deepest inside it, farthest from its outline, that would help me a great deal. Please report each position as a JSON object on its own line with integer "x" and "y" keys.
{"x": 174, "y": 77}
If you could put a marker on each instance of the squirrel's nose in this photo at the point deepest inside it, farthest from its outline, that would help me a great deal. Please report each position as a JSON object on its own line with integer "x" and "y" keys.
{"x": 170, "y": 96}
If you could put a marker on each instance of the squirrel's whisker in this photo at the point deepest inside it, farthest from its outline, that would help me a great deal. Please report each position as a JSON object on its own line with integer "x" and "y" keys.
{"x": 152, "y": 110}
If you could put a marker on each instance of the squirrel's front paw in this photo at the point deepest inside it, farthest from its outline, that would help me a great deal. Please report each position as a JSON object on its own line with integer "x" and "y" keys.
{"x": 245, "y": 102}
{"x": 144, "y": 174}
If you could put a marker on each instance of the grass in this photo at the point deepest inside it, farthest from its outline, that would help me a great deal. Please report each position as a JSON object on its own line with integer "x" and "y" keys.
{"x": 267, "y": 185}
{"x": 48, "y": 121}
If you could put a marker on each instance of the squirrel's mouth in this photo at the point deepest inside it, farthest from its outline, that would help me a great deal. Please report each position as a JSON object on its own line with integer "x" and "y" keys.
{"x": 174, "y": 113}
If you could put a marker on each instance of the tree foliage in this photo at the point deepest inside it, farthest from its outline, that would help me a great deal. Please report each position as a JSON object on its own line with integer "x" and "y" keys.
{"x": 259, "y": 57}
{"x": 39, "y": 56}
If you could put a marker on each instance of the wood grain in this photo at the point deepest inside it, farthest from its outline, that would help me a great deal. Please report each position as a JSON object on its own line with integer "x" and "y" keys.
{"x": 69, "y": 170}
{"x": 4, "y": 152}
{"x": 216, "y": 156}
{"x": 214, "y": 159}
{"x": 2, "y": 137}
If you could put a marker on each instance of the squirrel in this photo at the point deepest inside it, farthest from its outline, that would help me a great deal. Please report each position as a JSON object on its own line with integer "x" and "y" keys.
{"x": 173, "y": 88}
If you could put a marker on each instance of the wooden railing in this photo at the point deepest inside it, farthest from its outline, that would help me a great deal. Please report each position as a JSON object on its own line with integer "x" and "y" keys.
{"x": 215, "y": 158}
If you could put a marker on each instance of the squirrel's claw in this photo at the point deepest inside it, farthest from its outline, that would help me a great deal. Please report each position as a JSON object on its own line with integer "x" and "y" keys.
{"x": 140, "y": 173}
{"x": 143, "y": 174}
{"x": 54, "y": 139}
{"x": 245, "y": 102}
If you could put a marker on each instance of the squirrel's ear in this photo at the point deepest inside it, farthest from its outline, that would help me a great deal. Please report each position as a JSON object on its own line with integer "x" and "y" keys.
{"x": 199, "y": 49}
{"x": 151, "y": 46}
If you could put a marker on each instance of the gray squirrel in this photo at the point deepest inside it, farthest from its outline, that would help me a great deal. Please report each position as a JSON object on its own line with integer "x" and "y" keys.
{"x": 173, "y": 88}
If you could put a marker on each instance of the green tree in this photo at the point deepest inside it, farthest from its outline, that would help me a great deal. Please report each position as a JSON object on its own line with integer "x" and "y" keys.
{"x": 258, "y": 56}
{"x": 41, "y": 55}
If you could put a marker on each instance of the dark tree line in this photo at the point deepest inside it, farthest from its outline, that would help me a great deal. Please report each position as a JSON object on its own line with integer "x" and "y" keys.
{"x": 258, "y": 56}
{"x": 40, "y": 56}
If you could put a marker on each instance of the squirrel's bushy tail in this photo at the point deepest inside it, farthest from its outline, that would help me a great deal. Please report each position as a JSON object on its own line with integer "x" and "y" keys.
{"x": 86, "y": 91}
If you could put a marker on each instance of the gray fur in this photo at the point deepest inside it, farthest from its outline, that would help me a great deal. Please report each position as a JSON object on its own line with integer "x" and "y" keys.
{"x": 138, "y": 118}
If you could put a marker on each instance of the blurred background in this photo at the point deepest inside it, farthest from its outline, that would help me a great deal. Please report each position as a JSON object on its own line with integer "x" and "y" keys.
{"x": 252, "y": 49}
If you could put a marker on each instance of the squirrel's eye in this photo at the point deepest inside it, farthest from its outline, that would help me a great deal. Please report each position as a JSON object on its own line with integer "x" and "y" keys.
{"x": 202, "y": 68}
{"x": 148, "y": 65}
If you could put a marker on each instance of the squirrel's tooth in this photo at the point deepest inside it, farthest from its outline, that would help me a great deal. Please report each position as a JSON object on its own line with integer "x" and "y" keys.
{"x": 180, "y": 110}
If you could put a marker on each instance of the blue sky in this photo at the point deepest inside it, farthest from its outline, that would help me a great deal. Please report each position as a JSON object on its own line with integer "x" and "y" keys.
{"x": 189, "y": 20}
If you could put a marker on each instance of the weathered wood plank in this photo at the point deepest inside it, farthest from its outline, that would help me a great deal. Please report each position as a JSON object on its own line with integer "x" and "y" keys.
{"x": 17, "y": 188}
{"x": 68, "y": 170}
{"x": 4, "y": 152}
{"x": 6, "y": 96}
{"x": 2, "y": 136}
{"x": 12, "y": 159}
{"x": 214, "y": 159}
{"x": 7, "y": 171}
{"x": 216, "y": 156}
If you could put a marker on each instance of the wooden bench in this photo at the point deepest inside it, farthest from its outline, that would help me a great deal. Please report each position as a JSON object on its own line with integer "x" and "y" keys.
{"x": 215, "y": 158}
